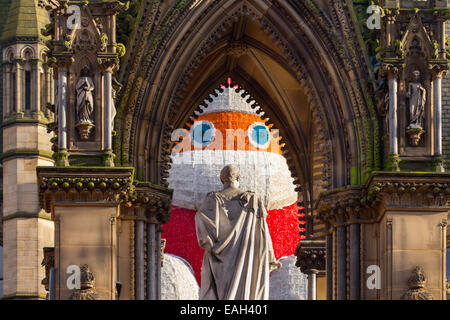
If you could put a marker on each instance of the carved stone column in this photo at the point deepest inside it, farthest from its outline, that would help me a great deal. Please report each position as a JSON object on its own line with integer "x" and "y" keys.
{"x": 393, "y": 122}
{"x": 108, "y": 110}
{"x": 62, "y": 115}
{"x": 311, "y": 260}
{"x": 17, "y": 104}
{"x": 329, "y": 265}
{"x": 7, "y": 89}
{"x": 354, "y": 225}
{"x": 437, "y": 118}
{"x": 341, "y": 261}
{"x": 343, "y": 211}
{"x": 153, "y": 203}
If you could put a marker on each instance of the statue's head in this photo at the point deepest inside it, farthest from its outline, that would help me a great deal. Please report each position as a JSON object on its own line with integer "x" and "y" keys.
{"x": 229, "y": 173}
{"x": 416, "y": 74}
{"x": 85, "y": 72}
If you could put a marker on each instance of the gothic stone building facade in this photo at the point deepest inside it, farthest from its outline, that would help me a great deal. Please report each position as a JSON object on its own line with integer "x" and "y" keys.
{"x": 92, "y": 92}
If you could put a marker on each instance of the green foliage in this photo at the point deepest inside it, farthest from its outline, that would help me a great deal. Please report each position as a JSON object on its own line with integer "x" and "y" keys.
{"x": 126, "y": 21}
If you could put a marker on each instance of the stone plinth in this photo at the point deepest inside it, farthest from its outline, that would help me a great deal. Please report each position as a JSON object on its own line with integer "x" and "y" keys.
{"x": 397, "y": 223}
{"x": 84, "y": 203}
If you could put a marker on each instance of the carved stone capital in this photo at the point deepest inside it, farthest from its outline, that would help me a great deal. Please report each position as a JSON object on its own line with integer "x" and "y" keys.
{"x": 343, "y": 206}
{"x": 438, "y": 68}
{"x": 83, "y": 184}
{"x": 156, "y": 200}
{"x": 311, "y": 256}
{"x": 61, "y": 61}
{"x": 109, "y": 62}
{"x": 391, "y": 67}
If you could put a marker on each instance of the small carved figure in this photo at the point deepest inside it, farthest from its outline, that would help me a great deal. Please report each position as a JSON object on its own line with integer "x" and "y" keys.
{"x": 231, "y": 227}
{"x": 417, "y": 98}
{"x": 85, "y": 98}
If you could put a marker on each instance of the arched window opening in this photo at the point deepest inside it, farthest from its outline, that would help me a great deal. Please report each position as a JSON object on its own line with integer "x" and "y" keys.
{"x": 14, "y": 92}
{"x": 42, "y": 92}
{"x": 27, "y": 90}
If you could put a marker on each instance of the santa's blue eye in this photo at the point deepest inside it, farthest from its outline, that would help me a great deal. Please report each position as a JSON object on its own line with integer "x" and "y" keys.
{"x": 259, "y": 135}
{"x": 202, "y": 133}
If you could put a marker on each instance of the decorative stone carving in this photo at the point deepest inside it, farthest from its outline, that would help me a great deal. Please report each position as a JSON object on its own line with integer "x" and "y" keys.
{"x": 417, "y": 100}
{"x": 157, "y": 201}
{"x": 87, "y": 283}
{"x": 311, "y": 256}
{"x": 416, "y": 284}
{"x": 356, "y": 204}
{"x": 85, "y": 103}
{"x": 237, "y": 49}
{"x": 414, "y": 135}
{"x": 48, "y": 262}
{"x": 99, "y": 184}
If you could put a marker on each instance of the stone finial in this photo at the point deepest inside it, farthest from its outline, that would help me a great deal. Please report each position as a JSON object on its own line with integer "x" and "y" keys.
{"x": 416, "y": 284}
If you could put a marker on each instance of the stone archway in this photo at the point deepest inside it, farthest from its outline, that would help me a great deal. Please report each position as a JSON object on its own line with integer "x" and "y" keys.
{"x": 289, "y": 57}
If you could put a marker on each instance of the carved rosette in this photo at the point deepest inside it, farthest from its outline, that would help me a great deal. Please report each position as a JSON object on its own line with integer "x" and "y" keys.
{"x": 87, "y": 184}
{"x": 311, "y": 256}
{"x": 416, "y": 284}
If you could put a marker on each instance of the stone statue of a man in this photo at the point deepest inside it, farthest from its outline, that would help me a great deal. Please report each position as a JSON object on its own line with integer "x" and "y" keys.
{"x": 231, "y": 227}
{"x": 85, "y": 98}
{"x": 417, "y": 98}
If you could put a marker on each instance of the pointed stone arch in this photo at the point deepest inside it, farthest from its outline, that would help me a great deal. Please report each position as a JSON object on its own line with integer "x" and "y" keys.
{"x": 173, "y": 66}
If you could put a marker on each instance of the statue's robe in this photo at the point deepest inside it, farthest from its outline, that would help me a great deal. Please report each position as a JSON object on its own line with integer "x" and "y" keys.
{"x": 238, "y": 247}
{"x": 417, "y": 102}
{"x": 85, "y": 100}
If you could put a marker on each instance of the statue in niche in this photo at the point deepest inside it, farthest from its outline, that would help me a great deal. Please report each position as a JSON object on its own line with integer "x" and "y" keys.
{"x": 417, "y": 98}
{"x": 85, "y": 97}
{"x": 85, "y": 103}
{"x": 231, "y": 226}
